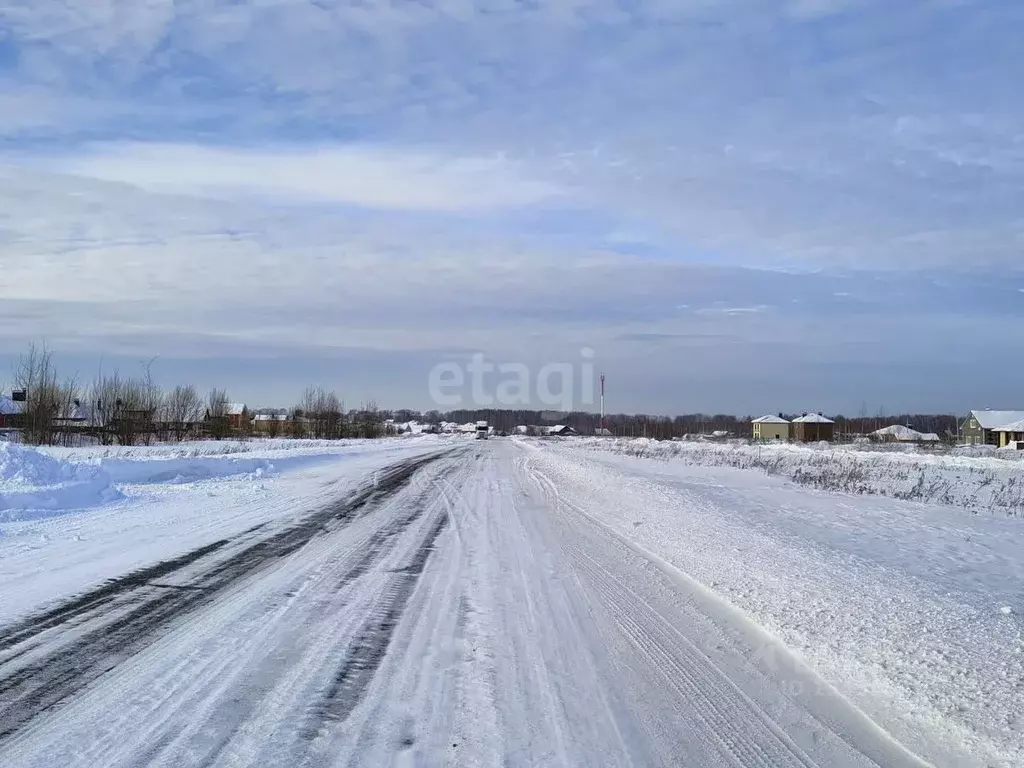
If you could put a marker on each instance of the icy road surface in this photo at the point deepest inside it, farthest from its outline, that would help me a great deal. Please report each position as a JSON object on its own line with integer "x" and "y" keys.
{"x": 455, "y": 608}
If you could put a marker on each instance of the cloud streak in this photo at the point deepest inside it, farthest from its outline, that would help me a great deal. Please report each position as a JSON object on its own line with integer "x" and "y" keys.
{"x": 681, "y": 183}
{"x": 374, "y": 177}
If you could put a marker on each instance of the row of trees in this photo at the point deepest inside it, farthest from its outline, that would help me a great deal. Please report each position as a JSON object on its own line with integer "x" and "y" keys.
{"x": 130, "y": 410}
{"x": 112, "y": 408}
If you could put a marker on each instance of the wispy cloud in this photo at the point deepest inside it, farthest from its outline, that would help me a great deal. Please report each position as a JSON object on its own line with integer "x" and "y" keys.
{"x": 719, "y": 310}
{"x": 814, "y": 175}
{"x": 395, "y": 178}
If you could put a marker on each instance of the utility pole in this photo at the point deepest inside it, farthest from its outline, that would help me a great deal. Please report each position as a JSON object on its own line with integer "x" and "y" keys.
{"x": 602, "y": 405}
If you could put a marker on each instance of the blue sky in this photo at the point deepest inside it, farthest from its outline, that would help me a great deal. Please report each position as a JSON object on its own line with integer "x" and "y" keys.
{"x": 742, "y": 206}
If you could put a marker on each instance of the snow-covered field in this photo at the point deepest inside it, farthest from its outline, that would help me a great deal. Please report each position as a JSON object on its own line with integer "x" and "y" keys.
{"x": 912, "y": 610}
{"x": 984, "y": 481}
{"x": 444, "y": 601}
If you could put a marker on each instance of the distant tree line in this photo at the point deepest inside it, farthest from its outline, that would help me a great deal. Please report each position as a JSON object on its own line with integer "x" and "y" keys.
{"x": 669, "y": 427}
{"x": 129, "y": 410}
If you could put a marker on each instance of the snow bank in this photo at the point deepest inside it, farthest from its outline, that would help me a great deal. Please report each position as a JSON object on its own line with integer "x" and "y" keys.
{"x": 177, "y": 463}
{"x": 34, "y": 485}
{"x": 264, "y": 448}
{"x": 979, "y": 481}
{"x": 176, "y": 471}
{"x": 39, "y": 482}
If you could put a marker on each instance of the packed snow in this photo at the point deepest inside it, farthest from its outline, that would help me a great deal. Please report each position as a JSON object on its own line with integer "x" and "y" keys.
{"x": 515, "y": 601}
{"x": 907, "y": 608}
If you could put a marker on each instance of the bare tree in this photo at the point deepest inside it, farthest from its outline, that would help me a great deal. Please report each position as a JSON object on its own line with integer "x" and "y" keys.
{"x": 368, "y": 421}
{"x": 106, "y": 401}
{"x": 322, "y": 412}
{"x": 182, "y": 410}
{"x": 152, "y": 402}
{"x": 71, "y": 416}
{"x": 123, "y": 408}
{"x": 36, "y": 375}
{"x": 297, "y": 422}
{"x": 217, "y": 413}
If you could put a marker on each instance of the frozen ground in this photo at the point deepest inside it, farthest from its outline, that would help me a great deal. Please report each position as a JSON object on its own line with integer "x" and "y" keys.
{"x": 452, "y": 602}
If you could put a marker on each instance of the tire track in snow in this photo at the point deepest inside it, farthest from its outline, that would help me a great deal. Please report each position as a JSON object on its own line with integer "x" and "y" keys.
{"x": 376, "y": 549}
{"x": 371, "y": 644}
{"x": 54, "y": 676}
{"x": 667, "y": 647}
{"x": 745, "y": 735}
{"x": 102, "y": 596}
{"x": 726, "y": 713}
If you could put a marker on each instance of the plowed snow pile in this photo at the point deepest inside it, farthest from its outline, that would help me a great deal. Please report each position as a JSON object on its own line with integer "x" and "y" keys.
{"x": 35, "y": 485}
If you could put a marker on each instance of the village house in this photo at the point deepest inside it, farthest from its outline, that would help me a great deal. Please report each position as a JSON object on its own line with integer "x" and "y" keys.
{"x": 990, "y": 427}
{"x": 813, "y": 428}
{"x": 235, "y": 419}
{"x": 11, "y": 413}
{"x": 1011, "y": 434}
{"x": 238, "y": 416}
{"x": 771, "y": 428}
{"x": 559, "y": 430}
{"x": 272, "y": 424}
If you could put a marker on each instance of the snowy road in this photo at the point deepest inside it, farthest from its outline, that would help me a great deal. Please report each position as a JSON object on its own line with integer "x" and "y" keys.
{"x": 456, "y": 608}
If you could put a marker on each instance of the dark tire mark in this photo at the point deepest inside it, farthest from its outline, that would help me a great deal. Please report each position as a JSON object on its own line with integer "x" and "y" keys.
{"x": 100, "y": 596}
{"x": 374, "y": 638}
{"x": 375, "y": 550}
{"x": 379, "y": 540}
{"x": 48, "y": 681}
{"x": 174, "y": 586}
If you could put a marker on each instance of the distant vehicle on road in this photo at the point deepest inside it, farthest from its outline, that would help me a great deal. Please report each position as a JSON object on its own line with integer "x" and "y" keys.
{"x": 482, "y": 430}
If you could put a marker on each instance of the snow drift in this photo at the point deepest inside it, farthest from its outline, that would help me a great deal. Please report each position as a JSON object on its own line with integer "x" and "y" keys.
{"x": 179, "y": 471}
{"x": 33, "y": 484}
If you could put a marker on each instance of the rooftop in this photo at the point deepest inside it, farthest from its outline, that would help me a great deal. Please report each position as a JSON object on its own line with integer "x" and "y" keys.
{"x": 813, "y": 418}
{"x": 770, "y": 420}
{"x": 9, "y": 407}
{"x": 996, "y": 419}
{"x": 905, "y": 434}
